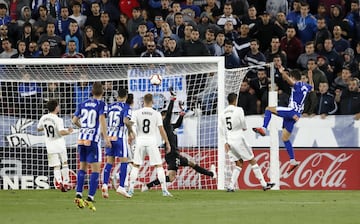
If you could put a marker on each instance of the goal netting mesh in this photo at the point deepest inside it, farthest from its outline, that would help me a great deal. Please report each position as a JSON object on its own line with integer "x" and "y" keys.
{"x": 28, "y": 84}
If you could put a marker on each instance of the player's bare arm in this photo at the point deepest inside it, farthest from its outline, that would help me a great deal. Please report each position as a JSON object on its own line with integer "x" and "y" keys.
{"x": 103, "y": 128}
{"x": 286, "y": 76}
{"x": 40, "y": 129}
{"x": 129, "y": 125}
{"x": 76, "y": 121}
{"x": 66, "y": 132}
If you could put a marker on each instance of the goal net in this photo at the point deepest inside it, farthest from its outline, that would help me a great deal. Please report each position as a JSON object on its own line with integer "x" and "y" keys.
{"x": 27, "y": 85}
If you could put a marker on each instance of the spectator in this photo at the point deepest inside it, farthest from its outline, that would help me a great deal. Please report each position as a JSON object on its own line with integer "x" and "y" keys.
{"x": 135, "y": 22}
{"x": 293, "y": 16}
{"x": 326, "y": 101}
{"x": 253, "y": 58}
{"x": 91, "y": 44}
{"x": 231, "y": 58}
{"x": 336, "y": 19}
{"x": 21, "y": 50}
{"x": 348, "y": 99}
{"x": 209, "y": 41}
{"x": 156, "y": 30}
{"x": 121, "y": 47}
{"x": 341, "y": 82}
{"x": 321, "y": 35}
{"x": 179, "y": 25}
{"x": 306, "y": 24}
{"x": 57, "y": 44}
{"x": 107, "y": 30}
{"x": 324, "y": 66}
{"x": 137, "y": 41}
{"x": 8, "y": 50}
{"x": 260, "y": 85}
{"x": 195, "y": 47}
{"x": 228, "y": 16}
{"x": 45, "y": 50}
{"x": 72, "y": 53}
{"x": 247, "y": 100}
{"x": 348, "y": 58}
{"x": 151, "y": 50}
{"x": 279, "y": 81}
{"x": 170, "y": 18}
{"x": 212, "y": 10}
{"x": 251, "y": 19}
{"x": 94, "y": 18}
{"x": 112, "y": 10}
{"x": 340, "y": 44}
{"x": 43, "y": 20}
{"x": 56, "y": 91}
{"x": 33, "y": 50}
{"x": 25, "y": 17}
{"x": 281, "y": 23}
{"x": 242, "y": 42}
{"x": 110, "y": 94}
{"x": 265, "y": 30}
{"x": 4, "y": 34}
{"x": 62, "y": 24}
{"x": 173, "y": 50}
{"x": 273, "y": 7}
{"x": 219, "y": 43}
{"x": 77, "y": 15}
{"x": 275, "y": 50}
{"x": 27, "y": 34}
{"x": 335, "y": 61}
{"x": 126, "y": 7}
{"x": 4, "y": 18}
{"x": 292, "y": 46}
{"x": 303, "y": 59}
{"x": 105, "y": 53}
{"x": 205, "y": 24}
{"x": 166, "y": 32}
{"x": 76, "y": 35}
{"x": 188, "y": 7}
{"x": 15, "y": 9}
{"x": 317, "y": 75}
{"x": 82, "y": 89}
{"x": 230, "y": 32}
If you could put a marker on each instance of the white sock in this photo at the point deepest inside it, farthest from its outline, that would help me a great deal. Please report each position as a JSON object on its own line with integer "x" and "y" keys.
{"x": 57, "y": 175}
{"x": 133, "y": 176}
{"x": 256, "y": 169}
{"x": 65, "y": 174}
{"x": 234, "y": 177}
{"x": 161, "y": 176}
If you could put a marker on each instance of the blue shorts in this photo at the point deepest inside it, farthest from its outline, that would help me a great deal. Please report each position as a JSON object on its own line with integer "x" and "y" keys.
{"x": 90, "y": 154}
{"x": 287, "y": 114}
{"x": 118, "y": 149}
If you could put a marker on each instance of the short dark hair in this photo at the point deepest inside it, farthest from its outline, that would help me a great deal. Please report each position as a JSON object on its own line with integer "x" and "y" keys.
{"x": 130, "y": 99}
{"x": 97, "y": 89}
{"x": 232, "y": 97}
{"x": 122, "y": 93}
{"x": 52, "y": 104}
{"x": 296, "y": 73}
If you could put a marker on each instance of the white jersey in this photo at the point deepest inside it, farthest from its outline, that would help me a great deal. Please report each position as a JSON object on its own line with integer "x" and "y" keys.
{"x": 232, "y": 123}
{"x": 147, "y": 122}
{"x": 52, "y": 125}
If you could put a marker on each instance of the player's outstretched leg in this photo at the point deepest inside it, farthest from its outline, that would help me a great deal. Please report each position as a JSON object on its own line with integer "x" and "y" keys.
{"x": 79, "y": 202}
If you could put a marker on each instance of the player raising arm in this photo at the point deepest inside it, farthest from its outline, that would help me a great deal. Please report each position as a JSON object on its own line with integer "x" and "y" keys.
{"x": 55, "y": 143}
{"x": 119, "y": 115}
{"x": 290, "y": 114}
{"x": 231, "y": 127}
{"x": 147, "y": 120}
{"x": 173, "y": 158}
{"x": 90, "y": 118}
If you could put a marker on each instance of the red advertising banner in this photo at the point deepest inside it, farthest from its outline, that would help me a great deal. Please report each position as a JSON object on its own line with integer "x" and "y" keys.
{"x": 320, "y": 169}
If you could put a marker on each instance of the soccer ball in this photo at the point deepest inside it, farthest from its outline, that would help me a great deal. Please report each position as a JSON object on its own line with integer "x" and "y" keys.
{"x": 155, "y": 79}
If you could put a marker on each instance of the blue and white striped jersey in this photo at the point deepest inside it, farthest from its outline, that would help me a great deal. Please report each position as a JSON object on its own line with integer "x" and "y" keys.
{"x": 89, "y": 112}
{"x": 116, "y": 114}
{"x": 298, "y": 95}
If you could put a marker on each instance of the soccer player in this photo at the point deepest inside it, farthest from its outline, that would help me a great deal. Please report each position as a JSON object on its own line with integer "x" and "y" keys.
{"x": 173, "y": 158}
{"x": 55, "y": 143}
{"x": 290, "y": 114}
{"x": 119, "y": 115}
{"x": 232, "y": 126}
{"x": 147, "y": 120}
{"x": 90, "y": 118}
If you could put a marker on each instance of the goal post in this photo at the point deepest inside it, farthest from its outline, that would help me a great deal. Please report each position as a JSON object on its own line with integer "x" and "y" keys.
{"x": 202, "y": 85}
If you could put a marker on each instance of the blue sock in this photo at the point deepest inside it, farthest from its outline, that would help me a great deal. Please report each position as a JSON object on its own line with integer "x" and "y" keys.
{"x": 289, "y": 149}
{"x": 94, "y": 182}
{"x": 267, "y": 118}
{"x": 80, "y": 180}
{"x": 123, "y": 173}
{"x": 107, "y": 171}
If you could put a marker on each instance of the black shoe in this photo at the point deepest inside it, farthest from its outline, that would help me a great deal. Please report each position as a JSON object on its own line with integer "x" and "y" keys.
{"x": 268, "y": 186}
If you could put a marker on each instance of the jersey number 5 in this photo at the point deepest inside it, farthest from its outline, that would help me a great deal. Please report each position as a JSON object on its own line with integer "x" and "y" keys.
{"x": 228, "y": 123}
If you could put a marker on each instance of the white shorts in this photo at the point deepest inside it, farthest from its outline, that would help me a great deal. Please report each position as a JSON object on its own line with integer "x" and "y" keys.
{"x": 240, "y": 149}
{"x": 56, "y": 159}
{"x": 149, "y": 148}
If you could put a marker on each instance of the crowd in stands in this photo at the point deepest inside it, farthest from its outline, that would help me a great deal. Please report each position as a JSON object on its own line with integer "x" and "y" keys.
{"x": 321, "y": 37}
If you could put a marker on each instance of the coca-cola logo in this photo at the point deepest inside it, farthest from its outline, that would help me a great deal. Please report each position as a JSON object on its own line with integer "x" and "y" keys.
{"x": 321, "y": 169}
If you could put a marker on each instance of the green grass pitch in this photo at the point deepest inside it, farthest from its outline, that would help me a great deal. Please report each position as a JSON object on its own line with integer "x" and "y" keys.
{"x": 186, "y": 207}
